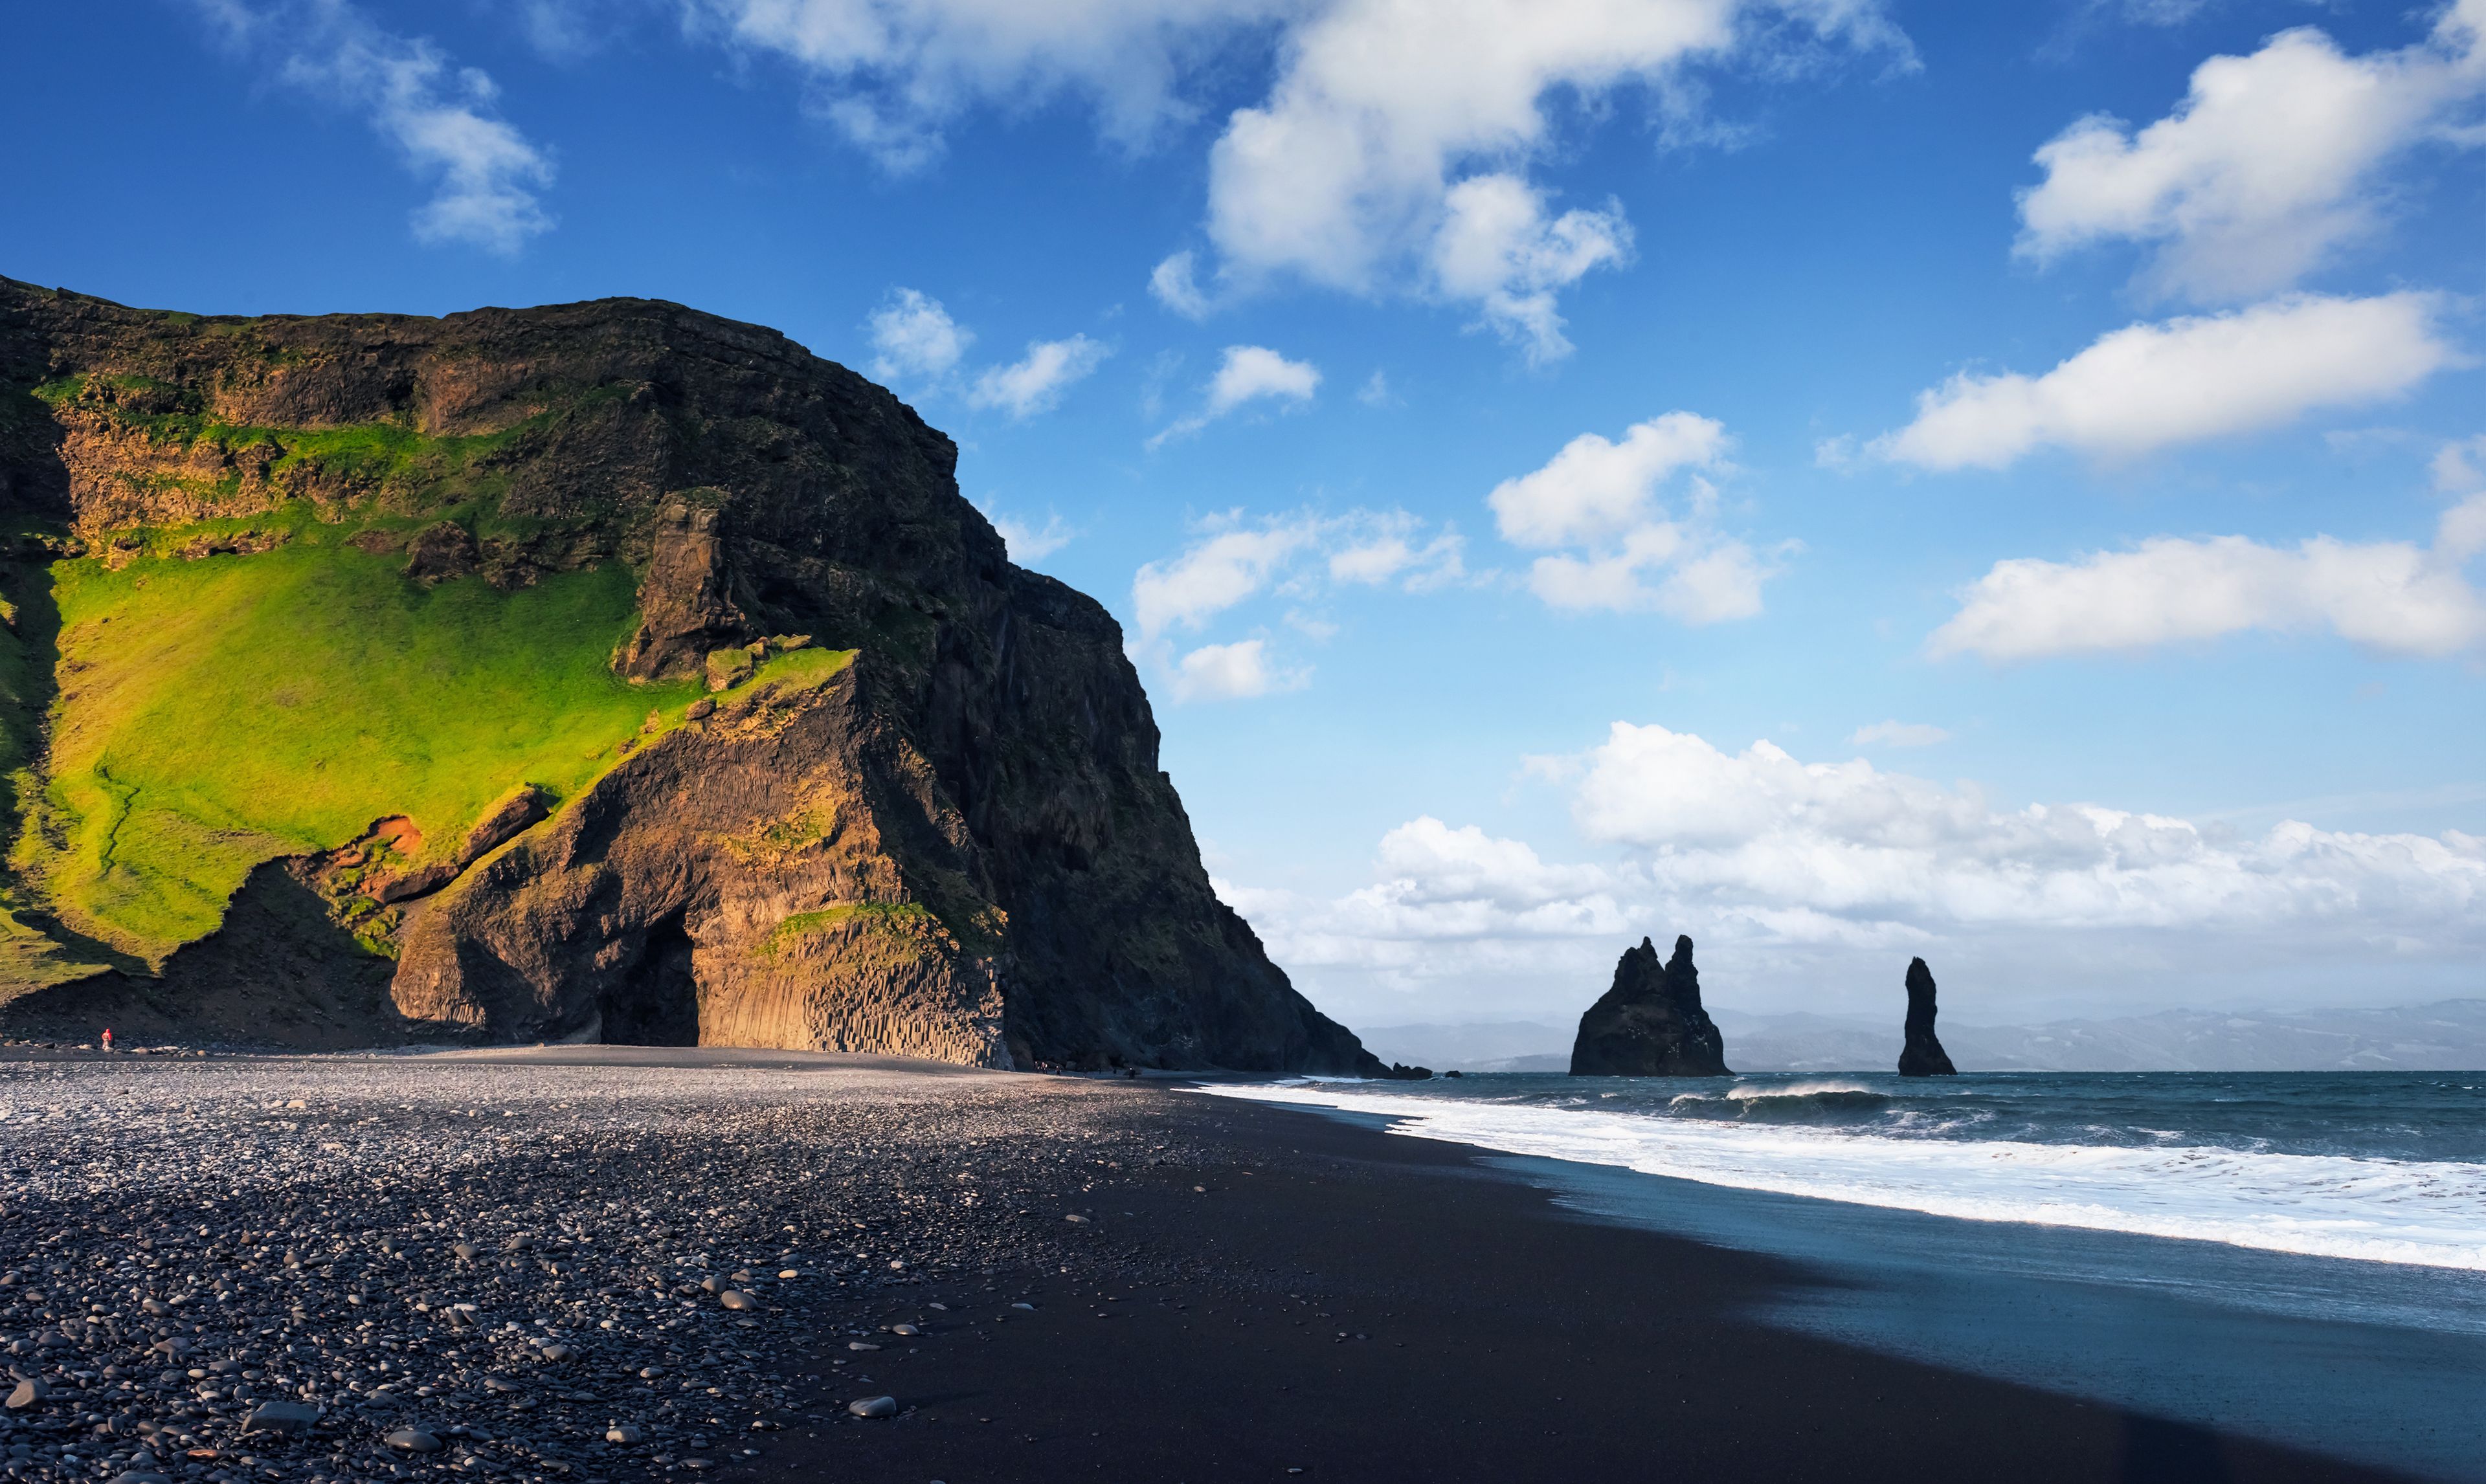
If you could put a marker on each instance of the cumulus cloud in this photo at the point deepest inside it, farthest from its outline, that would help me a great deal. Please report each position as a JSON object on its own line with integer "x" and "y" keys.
{"x": 1247, "y": 374}
{"x": 1215, "y": 573}
{"x": 1036, "y": 383}
{"x": 1497, "y": 249}
{"x": 1389, "y": 153}
{"x": 892, "y": 75}
{"x": 1174, "y": 283}
{"x": 1299, "y": 557}
{"x": 1365, "y": 175}
{"x": 1233, "y": 561}
{"x": 1235, "y": 671}
{"x": 1600, "y": 498}
{"x": 914, "y": 338}
{"x": 1807, "y": 877}
{"x": 2149, "y": 387}
{"x": 2460, "y": 467}
{"x": 2393, "y": 596}
{"x": 1251, "y": 373}
{"x": 443, "y": 119}
{"x": 1896, "y": 733}
{"x": 2268, "y": 167}
{"x": 1029, "y": 543}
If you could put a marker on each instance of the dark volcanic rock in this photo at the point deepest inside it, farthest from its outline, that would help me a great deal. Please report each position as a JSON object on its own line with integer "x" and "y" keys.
{"x": 439, "y": 552}
{"x": 687, "y": 604}
{"x": 521, "y": 812}
{"x": 961, "y": 844}
{"x": 1651, "y": 1024}
{"x": 1923, "y": 1056}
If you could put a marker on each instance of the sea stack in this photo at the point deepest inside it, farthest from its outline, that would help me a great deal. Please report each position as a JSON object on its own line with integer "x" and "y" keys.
{"x": 1922, "y": 1057}
{"x": 1651, "y": 1024}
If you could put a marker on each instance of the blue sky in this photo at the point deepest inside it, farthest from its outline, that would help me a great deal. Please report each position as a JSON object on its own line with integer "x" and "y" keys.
{"x": 1842, "y": 480}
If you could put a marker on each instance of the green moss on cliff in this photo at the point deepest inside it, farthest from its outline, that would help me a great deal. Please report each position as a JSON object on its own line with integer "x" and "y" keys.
{"x": 214, "y": 714}
{"x": 391, "y": 456}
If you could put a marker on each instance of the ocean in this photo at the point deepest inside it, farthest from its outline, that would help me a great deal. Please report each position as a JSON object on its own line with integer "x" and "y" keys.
{"x": 2298, "y": 1256}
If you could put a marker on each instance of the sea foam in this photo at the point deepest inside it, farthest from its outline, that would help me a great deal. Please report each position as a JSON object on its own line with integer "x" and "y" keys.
{"x": 2431, "y": 1213}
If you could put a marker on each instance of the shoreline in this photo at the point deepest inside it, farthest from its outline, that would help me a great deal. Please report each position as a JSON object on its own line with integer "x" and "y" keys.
{"x": 1219, "y": 1289}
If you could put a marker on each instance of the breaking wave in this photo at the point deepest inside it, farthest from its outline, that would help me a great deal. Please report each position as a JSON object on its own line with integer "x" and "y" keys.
{"x": 2426, "y": 1212}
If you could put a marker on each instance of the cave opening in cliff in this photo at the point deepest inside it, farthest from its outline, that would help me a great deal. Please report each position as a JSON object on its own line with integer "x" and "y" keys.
{"x": 656, "y": 1003}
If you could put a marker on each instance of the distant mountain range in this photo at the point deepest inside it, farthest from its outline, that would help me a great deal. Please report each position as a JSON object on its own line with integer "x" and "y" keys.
{"x": 2448, "y": 1035}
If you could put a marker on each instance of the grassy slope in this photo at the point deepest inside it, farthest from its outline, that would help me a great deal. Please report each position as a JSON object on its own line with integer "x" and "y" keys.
{"x": 218, "y": 713}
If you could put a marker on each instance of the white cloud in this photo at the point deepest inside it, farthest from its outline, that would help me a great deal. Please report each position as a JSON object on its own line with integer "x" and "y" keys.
{"x": 891, "y": 75}
{"x": 2393, "y": 596}
{"x": 1390, "y": 152}
{"x": 1497, "y": 250}
{"x": 1175, "y": 285}
{"x": 1375, "y": 392}
{"x": 2460, "y": 468}
{"x": 1896, "y": 733}
{"x": 1235, "y": 671}
{"x": 2149, "y": 387}
{"x": 1300, "y": 556}
{"x": 1251, "y": 373}
{"x": 1214, "y": 575}
{"x": 914, "y": 338}
{"x": 1804, "y": 880}
{"x": 1393, "y": 548}
{"x": 1247, "y": 374}
{"x": 1596, "y": 488}
{"x": 1849, "y": 841}
{"x": 2269, "y": 164}
{"x": 1036, "y": 383}
{"x": 1601, "y": 497}
{"x": 1358, "y": 171}
{"x": 443, "y": 118}
{"x": 1234, "y": 562}
{"x": 1029, "y": 543}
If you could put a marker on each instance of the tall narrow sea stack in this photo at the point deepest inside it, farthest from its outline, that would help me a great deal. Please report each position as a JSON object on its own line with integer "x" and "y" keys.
{"x": 1923, "y": 1054}
{"x": 1651, "y": 1024}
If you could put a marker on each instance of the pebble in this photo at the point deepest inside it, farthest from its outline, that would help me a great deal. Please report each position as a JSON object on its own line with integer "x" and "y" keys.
{"x": 281, "y": 1418}
{"x": 874, "y": 1407}
{"x": 904, "y": 1329}
{"x": 623, "y": 1435}
{"x": 413, "y": 1440}
{"x": 857, "y": 1344}
{"x": 27, "y": 1394}
{"x": 224, "y": 1287}
{"x": 736, "y": 1297}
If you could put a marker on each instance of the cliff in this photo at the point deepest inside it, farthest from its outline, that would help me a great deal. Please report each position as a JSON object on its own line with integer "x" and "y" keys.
{"x": 1650, "y": 1023}
{"x": 1922, "y": 1056}
{"x": 603, "y": 669}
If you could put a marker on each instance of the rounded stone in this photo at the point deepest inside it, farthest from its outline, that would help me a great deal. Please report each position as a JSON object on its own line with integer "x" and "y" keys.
{"x": 873, "y": 1406}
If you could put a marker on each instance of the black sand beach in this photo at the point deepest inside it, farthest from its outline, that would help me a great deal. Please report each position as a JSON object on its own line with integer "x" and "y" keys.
{"x": 526, "y": 1257}
{"x": 1354, "y": 1306}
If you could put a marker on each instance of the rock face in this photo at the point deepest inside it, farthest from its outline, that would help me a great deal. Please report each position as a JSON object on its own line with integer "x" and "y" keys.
{"x": 1651, "y": 1024}
{"x": 1923, "y": 1054}
{"x": 958, "y": 842}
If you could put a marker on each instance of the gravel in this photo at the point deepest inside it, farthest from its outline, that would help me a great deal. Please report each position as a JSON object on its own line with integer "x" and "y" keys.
{"x": 544, "y": 1272}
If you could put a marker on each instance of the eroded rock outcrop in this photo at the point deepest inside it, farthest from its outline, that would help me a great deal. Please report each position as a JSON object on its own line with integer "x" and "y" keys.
{"x": 1650, "y": 1023}
{"x": 961, "y": 844}
{"x": 1923, "y": 1054}
{"x": 686, "y": 607}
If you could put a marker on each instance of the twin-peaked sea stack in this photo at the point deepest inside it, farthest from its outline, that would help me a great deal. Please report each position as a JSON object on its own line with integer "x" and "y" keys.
{"x": 602, "y": 671}
{"x": 1923, "y": 1054}
{"x": 1651, "y": 1024}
